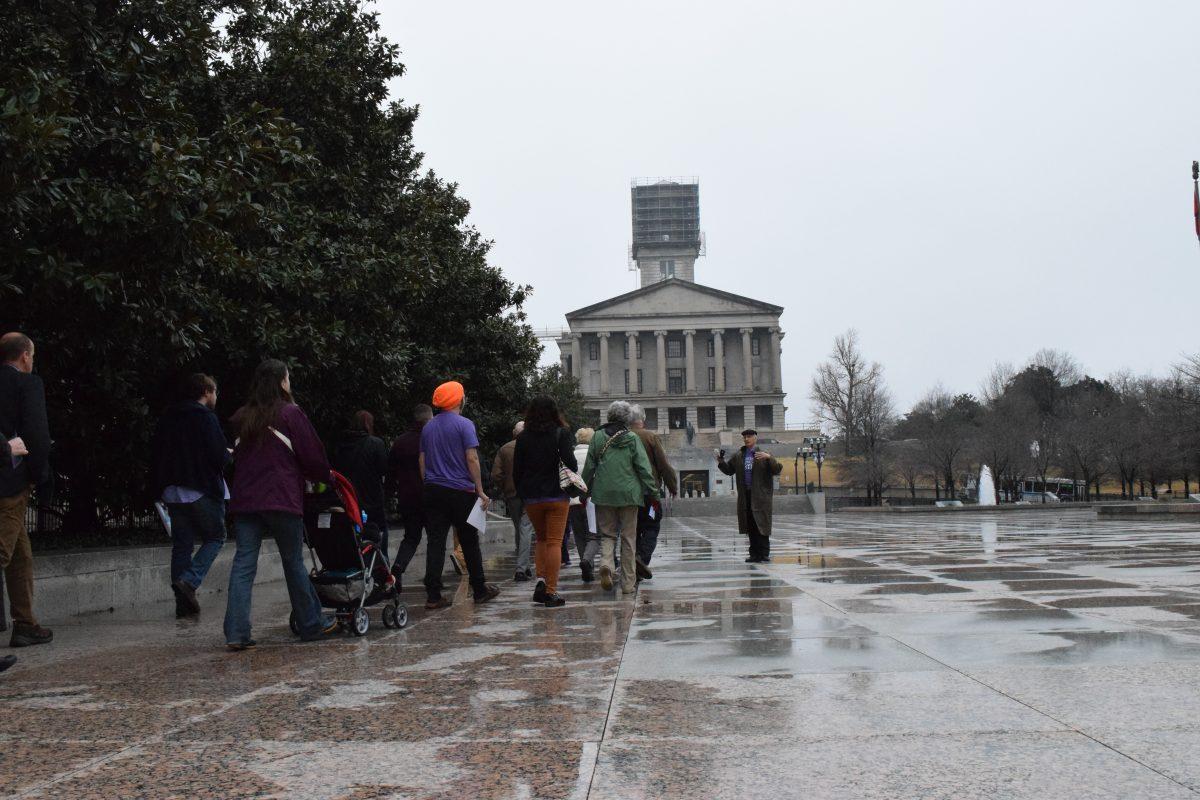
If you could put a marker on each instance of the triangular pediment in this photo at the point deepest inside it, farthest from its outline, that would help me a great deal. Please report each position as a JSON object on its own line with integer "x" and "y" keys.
{"x": 674, "y": 295}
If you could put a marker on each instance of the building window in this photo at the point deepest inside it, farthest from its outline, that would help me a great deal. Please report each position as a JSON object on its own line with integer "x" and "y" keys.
{"x": 706, "y": 417}
{"x": 712, "y": 348}
{"x": 735, "y": 417}
{"x": 712, "y": 379}
{"x": 637, "y": 348}
{"x": 593, "y": 351}
{"x": 674, "y": 348}
{"x": 651, "y": 418}
{"x": 639, "y": 382}
{"x": 626, "y": 381}
{"x": 764, "y": 417}
{"x": 755, "y": 346}
{"x": 666, "y": 269}
{"x": 675, "y": 381}
{"x": 639, "y": 379}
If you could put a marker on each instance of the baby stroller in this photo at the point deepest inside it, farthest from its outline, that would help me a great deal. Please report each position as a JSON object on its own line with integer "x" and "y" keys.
{"x": 349, "y": 572}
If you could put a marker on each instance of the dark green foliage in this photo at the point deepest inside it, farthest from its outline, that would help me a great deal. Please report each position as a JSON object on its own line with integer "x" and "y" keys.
{"x": 177, "y": 196}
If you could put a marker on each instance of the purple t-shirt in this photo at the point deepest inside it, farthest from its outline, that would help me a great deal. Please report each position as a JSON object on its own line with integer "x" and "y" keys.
{"x": 444, "y": 442}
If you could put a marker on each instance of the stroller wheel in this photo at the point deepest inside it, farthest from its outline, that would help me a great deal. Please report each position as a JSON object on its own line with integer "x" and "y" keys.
{"x": 360, "y": 622}
{"x": 401, "y": 615}
{"x": 389, "y": 617}
{"x": 292, "y": 623}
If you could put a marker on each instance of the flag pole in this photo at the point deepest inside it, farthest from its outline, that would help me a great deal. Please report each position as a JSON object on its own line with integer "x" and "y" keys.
{"x": 1196, "y": 196}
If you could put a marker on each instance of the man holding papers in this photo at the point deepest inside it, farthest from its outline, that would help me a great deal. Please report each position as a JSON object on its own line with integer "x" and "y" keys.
{"x": 453, "y": 494}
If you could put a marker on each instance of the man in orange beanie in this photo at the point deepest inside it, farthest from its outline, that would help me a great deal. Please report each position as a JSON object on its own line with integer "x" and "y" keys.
{"x": 449, "y": 463}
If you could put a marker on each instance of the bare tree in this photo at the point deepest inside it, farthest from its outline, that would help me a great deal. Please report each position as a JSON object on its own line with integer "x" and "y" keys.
{"x": 943, "y": 423}
{"x": 997, "y": 382}
{"x": 875, "y": 416}
{"x": 909, "y": 463}
{"x": 839, "y": 383}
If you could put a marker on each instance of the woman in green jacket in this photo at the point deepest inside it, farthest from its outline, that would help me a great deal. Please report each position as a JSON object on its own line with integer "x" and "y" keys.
{"x": 619, "y": 480}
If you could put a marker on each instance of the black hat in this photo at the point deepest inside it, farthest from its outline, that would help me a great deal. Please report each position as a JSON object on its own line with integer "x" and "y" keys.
{"x": 749, "y": 432}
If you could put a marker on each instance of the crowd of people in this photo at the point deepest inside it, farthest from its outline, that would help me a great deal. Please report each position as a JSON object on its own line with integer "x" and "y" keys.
{"x": 601, "y": 488}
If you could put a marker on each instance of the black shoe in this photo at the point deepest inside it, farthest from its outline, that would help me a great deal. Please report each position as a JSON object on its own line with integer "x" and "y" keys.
{"x": 330, "y": 631}
{"x": 237, "y": 647}
{"x": 539, "y": 592}
{"x": 554, "y": 600}
{"x": 589, "y": 571}
{"x": 751, "y": 560}
{"x": 6, "y": 662}
{"x": 490, "y": 592}
{"x": 182, "y": 611}
{"x": 26, "y": 635}
{"x": 437, "y": 603}
{"x": 643, "y": 572}
{"x": 186, "y": 593}
{"x": 521, "y": 576}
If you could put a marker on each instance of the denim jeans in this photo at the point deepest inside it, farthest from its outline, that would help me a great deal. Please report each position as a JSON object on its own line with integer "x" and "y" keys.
{"x": 203, "y": 521}
{"x": 288, "y": 532}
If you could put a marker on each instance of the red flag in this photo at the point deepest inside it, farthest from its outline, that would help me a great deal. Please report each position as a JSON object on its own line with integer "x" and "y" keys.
{"x": 1196, "y": 206}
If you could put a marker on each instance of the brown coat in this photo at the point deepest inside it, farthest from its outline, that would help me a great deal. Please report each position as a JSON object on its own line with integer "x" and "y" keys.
{"x": 660, "y": 468}
{"x": 502, "y": 469}
{"x": 761, "y": 491}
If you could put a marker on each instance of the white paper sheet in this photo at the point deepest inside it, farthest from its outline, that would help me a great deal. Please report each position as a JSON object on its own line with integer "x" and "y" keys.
{"x": 591, "y": 516}
{"x": 478, "y": 517}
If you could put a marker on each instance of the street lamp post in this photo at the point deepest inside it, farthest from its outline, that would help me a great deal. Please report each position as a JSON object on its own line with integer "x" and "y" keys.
{"x": 814, "y": 446}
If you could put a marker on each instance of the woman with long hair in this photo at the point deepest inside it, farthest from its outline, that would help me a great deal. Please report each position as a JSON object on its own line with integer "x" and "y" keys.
{"x": 276, "y": 452}
{"x": 543, "y": 444}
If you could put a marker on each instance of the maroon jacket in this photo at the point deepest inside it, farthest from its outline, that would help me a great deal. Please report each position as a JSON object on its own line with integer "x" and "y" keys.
{"x": 405, "y": 470}
{"x": 267, "y": 476}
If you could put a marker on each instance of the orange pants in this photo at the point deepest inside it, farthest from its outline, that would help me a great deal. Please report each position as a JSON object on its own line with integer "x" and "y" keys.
{"x": 550, "y": 522}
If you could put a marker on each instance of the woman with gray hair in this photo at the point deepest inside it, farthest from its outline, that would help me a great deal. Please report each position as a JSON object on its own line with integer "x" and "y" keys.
{"x": 618, "y": 476}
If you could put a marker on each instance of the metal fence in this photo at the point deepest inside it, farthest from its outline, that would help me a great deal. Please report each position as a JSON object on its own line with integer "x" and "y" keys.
{"x": 41, "y": 520}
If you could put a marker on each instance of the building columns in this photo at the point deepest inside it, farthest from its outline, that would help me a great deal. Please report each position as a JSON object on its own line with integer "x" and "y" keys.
{"x": 661, "y": 337}
{"x": 776, "y": 360}
{"x": 577, "y": 355}
{"x": 719, "y": 354}
{"x": 604, "y": 362}
{"x": 690, "y": 352}
{"x": 747, "y": 366}
{"x": 631, "y": 362}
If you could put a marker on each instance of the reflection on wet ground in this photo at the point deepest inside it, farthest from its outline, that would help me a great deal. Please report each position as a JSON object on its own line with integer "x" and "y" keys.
{"x": 1002, "y": 656}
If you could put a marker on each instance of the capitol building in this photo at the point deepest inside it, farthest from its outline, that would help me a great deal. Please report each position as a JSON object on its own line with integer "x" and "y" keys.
{"x": 702, "y": 362}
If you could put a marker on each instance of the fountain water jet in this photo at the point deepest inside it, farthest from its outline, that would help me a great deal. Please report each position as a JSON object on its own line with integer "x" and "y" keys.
{"x": 987, "y": 487}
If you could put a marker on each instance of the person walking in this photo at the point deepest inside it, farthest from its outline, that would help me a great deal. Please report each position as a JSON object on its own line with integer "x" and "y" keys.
{"x": 540, "y": 449}
{"x": 618, "y": 477}
{"x": 188, "y": 457}
{"x": 587, "y": 541}
{"x": 650, "y": 514}
{"x": 363, "y": 458}
{"x": 404, "y": 470}
{"x": 452, "y": 483}
{"x": 12, "y": 448}
{"x": 276, "y": 452}
{"x": 502, "y": 478}
{"x": 23, "y": 427}
{"x": 753, "y": 473}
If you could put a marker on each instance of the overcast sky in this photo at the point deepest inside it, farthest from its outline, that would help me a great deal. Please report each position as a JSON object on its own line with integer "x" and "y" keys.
{"x": 962, "y": 181}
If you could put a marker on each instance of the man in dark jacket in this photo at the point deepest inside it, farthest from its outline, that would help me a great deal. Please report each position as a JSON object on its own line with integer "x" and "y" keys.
{"x": 188, "y": 459}
{"x": 404, "y": 478}
{"x": 23, "y": 415}
{"x": 363, "y": 458}
{"x": 650, "y": 514}
{"x": 753, "y": 472}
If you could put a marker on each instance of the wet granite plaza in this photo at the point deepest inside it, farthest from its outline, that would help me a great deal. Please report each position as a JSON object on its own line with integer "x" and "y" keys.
{"x": 1035, "y": 655}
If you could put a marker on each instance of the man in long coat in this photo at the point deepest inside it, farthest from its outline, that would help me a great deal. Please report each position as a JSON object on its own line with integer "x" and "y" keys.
{"x": 753, "y": 472}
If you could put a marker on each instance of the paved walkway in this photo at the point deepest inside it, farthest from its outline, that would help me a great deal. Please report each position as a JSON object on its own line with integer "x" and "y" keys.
{"x": 1037, "y": 656}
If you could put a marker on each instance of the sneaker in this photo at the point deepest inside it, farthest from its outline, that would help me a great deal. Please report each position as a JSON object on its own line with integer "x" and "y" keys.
{"x": 237, "y": 647}
{"x": 331, "y": 630}
{"x": 186, "y": 594}
{"x": 539, "y": 592}
{"x": 434, "y": 605}
{"x": 6, "y": 662}
{"x": 588, "y": 570}
{"x": 25, "y": 635}
{"x": 554, "y": 600}
{"x": 490, "y": 592}
{"x": 521, "y": 576}
{"x": 457, "y": 563}
{"x": 643, "y": 572}
{"x": 606, "y": 577}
